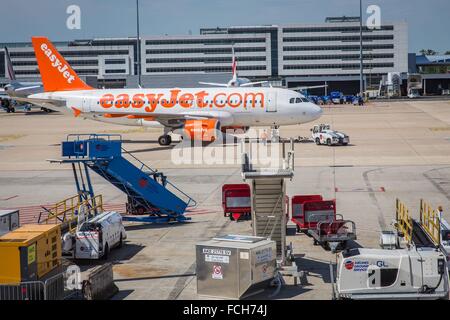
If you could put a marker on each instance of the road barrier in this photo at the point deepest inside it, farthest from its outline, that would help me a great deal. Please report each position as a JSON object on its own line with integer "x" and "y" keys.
{"x": 30, "y": 290}
{"x": 54, "y": 288}
{"x": 100, "y": 283}
{"x": 64, "y": 283}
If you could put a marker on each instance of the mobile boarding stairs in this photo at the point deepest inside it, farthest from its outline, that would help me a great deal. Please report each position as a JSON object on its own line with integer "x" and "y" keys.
{"x": 148, "y": 191}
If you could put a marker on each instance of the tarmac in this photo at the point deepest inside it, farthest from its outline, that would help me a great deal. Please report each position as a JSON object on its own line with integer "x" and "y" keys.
{"x": 397, "y": 149}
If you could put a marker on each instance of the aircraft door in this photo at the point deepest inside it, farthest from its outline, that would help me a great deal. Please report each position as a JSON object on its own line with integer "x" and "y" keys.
{"x": 87, "y": 104}
{"x": 271, "y": 101}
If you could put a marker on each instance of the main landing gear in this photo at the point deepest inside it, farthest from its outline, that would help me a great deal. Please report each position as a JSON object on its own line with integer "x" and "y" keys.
{"x": 275, "y": 134}
{"x": 165, "y": 140}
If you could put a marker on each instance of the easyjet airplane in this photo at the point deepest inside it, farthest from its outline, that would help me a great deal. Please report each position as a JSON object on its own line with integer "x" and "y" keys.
{"x": 198, "y": 111}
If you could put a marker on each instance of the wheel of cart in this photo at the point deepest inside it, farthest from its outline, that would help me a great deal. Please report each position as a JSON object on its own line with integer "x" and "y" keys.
{"x": 236, "y": 201}
{"x": 333, "y": 234}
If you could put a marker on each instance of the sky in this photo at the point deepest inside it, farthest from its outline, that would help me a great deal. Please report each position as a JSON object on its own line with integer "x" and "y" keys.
{"x": 428, "y": 20}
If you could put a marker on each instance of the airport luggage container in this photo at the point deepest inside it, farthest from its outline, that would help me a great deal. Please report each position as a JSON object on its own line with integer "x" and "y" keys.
{"x": 29, "y": 253}
{"x": 235, "y": 266}
{"x": 305, "y": 219}
{"x": 9, "y": 221}
{"x": 334, "y": 234}
{"x": 236, "y": 201}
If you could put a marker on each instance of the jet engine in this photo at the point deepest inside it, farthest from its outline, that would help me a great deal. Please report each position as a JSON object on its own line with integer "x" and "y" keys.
{"x": 204, "y": 130}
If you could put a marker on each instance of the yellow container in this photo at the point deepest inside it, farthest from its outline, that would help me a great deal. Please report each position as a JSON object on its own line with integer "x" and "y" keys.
{"x": 29, "y": 252}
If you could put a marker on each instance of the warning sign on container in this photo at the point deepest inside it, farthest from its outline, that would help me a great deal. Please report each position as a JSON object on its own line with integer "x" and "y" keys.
{"x": 217, "y": 272}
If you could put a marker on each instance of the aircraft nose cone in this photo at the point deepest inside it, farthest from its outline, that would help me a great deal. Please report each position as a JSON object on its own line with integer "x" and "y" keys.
{"x": 316, "y": 111}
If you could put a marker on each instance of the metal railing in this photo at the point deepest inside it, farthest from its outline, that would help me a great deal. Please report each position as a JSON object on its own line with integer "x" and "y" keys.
{"x": 404, "y": 221}
{"x": 430, "y": 221}
{"x": 54, "y": 288}
{"x": 31, "y": 290}
{"x": 66, "y": 211}
{"x": 166, "y": 183}
{"x": 93, "y": 136}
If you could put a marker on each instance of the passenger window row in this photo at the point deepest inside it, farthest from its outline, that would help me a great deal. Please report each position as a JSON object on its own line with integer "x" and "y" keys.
{"x": 298, "y": 100}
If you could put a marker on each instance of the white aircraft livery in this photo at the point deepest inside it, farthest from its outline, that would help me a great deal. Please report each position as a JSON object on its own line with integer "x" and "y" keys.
{"x": 190, "y": 109}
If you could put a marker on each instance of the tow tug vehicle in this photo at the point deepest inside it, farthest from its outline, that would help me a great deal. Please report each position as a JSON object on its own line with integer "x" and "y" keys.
{"x": 323, "y": 134}
{"x": 415, "y": 268}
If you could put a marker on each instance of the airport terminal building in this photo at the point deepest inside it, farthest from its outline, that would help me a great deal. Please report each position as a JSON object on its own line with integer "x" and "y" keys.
{"x": 289, "y": 55}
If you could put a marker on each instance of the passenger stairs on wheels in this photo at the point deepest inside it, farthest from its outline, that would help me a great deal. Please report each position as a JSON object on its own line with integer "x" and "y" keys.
{"x": 148, "y": 191}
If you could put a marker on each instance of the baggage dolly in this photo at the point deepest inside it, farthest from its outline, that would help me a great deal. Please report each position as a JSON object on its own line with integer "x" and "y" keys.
{"x": 333, "y": 234}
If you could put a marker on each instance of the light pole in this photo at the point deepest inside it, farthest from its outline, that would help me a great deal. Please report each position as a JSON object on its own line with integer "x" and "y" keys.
{"x": 138, "y": 39}
{"x": 361, "y": 80}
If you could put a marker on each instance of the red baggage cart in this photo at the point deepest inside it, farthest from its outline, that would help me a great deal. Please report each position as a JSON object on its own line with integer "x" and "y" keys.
{"x": 297, "y": 208}
{"x": 308, "y": 210}
{"x": 236, "y": 201}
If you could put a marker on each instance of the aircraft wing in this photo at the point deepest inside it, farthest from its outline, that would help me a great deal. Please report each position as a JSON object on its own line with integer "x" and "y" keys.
{"x": 31, "y": 87}
{"x": 51, "y": 104}
{"x": 309, "y": 87}
{"x": 248, "y": 84}
{"x": 215, "y": 84}
{"x": 4, "y": 95}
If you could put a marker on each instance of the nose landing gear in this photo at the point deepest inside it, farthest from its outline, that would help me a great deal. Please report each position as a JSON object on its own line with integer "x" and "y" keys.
{"x": 275, "y": 134}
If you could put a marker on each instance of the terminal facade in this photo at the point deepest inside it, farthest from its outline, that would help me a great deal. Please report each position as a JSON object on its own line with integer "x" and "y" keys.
{"x": 289, "y": 55}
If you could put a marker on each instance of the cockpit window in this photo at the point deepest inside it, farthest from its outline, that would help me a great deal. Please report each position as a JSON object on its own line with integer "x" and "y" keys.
{"x": 292, "y": 100}
{"x": 298, "y": 100}
{"x": 304, "y": 100}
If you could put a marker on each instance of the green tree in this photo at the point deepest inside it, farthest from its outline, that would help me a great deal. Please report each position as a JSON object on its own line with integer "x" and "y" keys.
{"x": 447, "y": 52}
{"x": 428, "y": 52}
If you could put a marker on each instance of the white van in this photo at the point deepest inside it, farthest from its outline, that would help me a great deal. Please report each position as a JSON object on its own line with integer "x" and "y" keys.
{"x": 95, "y": 238}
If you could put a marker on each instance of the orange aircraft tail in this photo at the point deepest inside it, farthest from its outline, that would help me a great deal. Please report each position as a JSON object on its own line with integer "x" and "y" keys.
{"x": 56, "y": 73}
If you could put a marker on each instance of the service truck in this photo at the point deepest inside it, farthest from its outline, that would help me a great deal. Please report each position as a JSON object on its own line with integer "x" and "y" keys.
{"x": 97, "y": 236}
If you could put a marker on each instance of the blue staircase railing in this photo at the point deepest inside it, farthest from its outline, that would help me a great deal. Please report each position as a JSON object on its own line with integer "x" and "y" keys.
{"x": 190, "y": 202}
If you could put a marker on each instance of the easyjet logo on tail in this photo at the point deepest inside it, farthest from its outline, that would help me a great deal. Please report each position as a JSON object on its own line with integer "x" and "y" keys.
{"x": 56, "y": 73}
{"x": 55, "y": 63}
